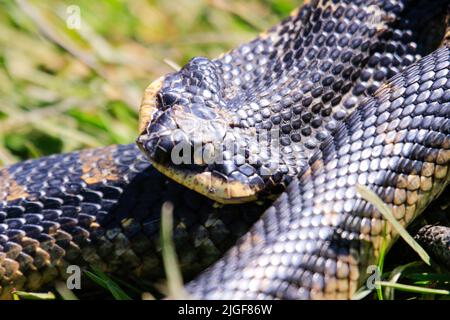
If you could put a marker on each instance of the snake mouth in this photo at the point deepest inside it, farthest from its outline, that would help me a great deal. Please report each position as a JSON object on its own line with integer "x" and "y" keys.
{"x": 181, "y": 162}
{"x": 210, "y": 185}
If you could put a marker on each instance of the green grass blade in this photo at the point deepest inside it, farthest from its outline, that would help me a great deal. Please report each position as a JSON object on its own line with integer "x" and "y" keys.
{"x": 126, "y": 285}
{"x": 96, "y": 279}
{"x": 409, "y": 288}
{"x": 117, "y": 292}
{"x": 395, "y": 276}
{"x": 104, "y": 281}
{"x": 147, "y": 296}
{"x": 34, "y": 295}
{"x": 383, "y": 250}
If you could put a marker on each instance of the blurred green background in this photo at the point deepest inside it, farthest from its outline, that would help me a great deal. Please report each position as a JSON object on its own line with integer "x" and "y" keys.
{"x": 67, "y": 86}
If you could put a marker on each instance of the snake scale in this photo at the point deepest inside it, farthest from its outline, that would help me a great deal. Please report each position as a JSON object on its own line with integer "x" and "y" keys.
{"x": 359, "y": 92}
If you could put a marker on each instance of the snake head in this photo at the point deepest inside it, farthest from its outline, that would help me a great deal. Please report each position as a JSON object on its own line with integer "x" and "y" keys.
{"x": 190, "y": 133}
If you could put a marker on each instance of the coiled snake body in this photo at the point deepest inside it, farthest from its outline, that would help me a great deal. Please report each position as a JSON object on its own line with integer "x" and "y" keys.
{"x": 319, "y": 79}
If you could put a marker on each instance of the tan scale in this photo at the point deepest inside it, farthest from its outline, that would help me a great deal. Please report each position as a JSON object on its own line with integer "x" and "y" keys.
{"x": 98, "y": 165}
{"x": 9, "y": 189}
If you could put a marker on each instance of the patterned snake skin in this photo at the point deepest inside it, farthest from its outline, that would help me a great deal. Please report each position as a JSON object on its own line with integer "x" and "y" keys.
{"x": 318, "y": 238}
{"x": 101, "y": 207}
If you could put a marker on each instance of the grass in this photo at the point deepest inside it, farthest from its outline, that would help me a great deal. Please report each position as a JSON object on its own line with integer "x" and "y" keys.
{"x": 107, "y": 283}
{"x": 424, "y": 288}
{"x": 371, "y": 197}
{"x": 173, "y": 273}
{"x": 64, "y": 89}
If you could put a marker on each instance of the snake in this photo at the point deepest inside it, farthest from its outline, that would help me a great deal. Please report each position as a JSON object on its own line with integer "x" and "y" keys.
{"x": 261, "y": 152}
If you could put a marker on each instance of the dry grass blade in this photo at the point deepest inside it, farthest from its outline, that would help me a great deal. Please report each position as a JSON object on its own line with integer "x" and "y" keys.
{"x": 361, "y": 293}
{"x": 172, "y": 64}
{"x": 373, "y": 198}
{"x": 33, "y": 295}
{"x": 51, "y": 34}
{"x": 64, "y": 292}
{"x": 173, "y": 274}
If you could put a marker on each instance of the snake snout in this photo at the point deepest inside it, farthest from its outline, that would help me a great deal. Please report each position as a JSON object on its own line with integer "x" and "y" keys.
{"x": 176, "y": 134}
{"x": 187, "y": 143}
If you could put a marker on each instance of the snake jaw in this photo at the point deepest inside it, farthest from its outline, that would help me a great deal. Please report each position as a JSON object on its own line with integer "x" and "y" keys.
{"x": 210, "y": 185}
